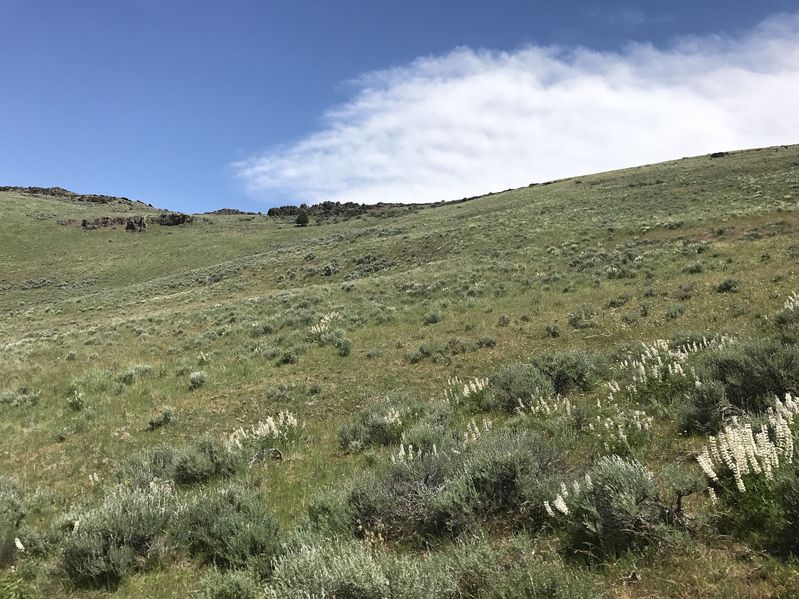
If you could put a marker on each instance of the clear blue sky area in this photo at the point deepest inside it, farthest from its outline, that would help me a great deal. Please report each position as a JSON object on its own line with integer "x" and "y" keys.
{"x": 154, "y": 99}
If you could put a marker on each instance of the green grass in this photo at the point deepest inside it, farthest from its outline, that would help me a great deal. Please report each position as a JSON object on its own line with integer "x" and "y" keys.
{"x": 605, "y": 258}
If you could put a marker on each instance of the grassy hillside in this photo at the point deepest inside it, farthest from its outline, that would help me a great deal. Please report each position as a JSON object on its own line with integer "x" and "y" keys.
{"x": 128, "y": 359}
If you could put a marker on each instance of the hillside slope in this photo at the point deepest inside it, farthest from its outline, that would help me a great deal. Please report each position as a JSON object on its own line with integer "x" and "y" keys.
{"x": 113, "y": 343}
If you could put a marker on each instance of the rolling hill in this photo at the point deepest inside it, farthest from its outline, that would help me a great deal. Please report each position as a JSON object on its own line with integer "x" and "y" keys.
{"x": 501, "y": 396}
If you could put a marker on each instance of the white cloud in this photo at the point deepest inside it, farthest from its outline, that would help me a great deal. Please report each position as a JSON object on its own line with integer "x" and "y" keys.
{"x": 471, "y": 122}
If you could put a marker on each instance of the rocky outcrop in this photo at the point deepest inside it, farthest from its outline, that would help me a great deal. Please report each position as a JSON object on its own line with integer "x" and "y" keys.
{"x": 171, "y": 219}
{"x": 64, "y": 194}
{"x": 230, "y": 212}
{"x": 136, "y": 224}
{"x": 102, "y": 222}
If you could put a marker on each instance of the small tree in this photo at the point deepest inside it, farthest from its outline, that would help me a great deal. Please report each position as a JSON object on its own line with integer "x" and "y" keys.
{"x": 302, "y": 218}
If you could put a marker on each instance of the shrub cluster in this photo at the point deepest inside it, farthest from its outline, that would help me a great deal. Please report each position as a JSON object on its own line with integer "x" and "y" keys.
{"x": 503, "y": 475}
{"x": 203, "y": 460}
{"x": 744, "y": 377}
{"x": 379, "y": 424}
{"x": 513, "y": 384}
{"x": 570, "y": 370}
{"x": 19, "y": 398}
{"x": 228, "y": 527}
{"x": 105, "y": 542}
{"x": 509, "y": 569}
{"x": 616, "y": 508}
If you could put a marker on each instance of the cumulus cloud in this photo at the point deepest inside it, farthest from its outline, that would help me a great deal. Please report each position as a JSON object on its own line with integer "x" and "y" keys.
{"x": 475, "y": 121}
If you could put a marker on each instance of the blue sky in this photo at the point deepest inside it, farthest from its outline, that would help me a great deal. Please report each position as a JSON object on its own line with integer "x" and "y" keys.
{"x": 198, "y": 105}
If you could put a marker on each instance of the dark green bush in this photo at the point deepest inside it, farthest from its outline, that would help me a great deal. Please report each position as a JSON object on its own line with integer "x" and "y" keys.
{"x": 106, "y": 542}
{"x": 553, "y": 331}
{"x": 508, "y": 474}
{"x": 228, "y": 527}
{"x": 147, "y": 466}
{"x": 581, "y": 317}
{"x": 619, "y": 301}
{"x": 505, "y": 475}
{"x": 694, "y": 268}
{"x": 685, "y": 292}
{"x": 514, "y": 383}
{"x": 486, "y": 342}
{"x": 767, "y": 514}
{"x": 705, "y": 409}
{"x": 756, "y": 515}
{"x": 752, "y": 372}
{"x": 730, "y": 285}
{"x": 786, "y": 323}
{"x": 570, "y": 370}
{"x": 165, "y": 417}
{"x": 287, "y": 358}
{"x": 675, "y": 311}
{"x": 413, "y": 502}
{"x": 344, "y": 346}
{"x": 207, "y": 458}
{"x": 432, "y": 318}
{"x": 379, "y": 424}
{"x": 620, "y": 510}
{"x": 90, "y": 560}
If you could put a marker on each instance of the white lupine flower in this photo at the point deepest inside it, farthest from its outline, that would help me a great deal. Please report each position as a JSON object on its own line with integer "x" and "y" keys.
{"x": 714, "y": 450}
{"x": 552, "y": 406}
{"x": 706, "y": 463}
{"x": 657, "y": 361}
{"x": 317, "y": 331}
{"x": 712, "y": 495}
{"x": 560, "y": 505}
{"x": 742, "y": 452}
{"x": 18, "y": 544}
{"x": 548, "y": 508}
{"x": 475, "y": 385}
{"x": 280, "y": 427}
{"x": 792, "y": 303}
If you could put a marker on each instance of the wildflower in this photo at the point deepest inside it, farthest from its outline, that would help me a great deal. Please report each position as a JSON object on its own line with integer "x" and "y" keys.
{"x": 792, "y": 303}
{"x": 706, "y": 464}
{"x": 560, "y": 505}
{"x": 743, "y": 452}
{"x": 564, "y": 490}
